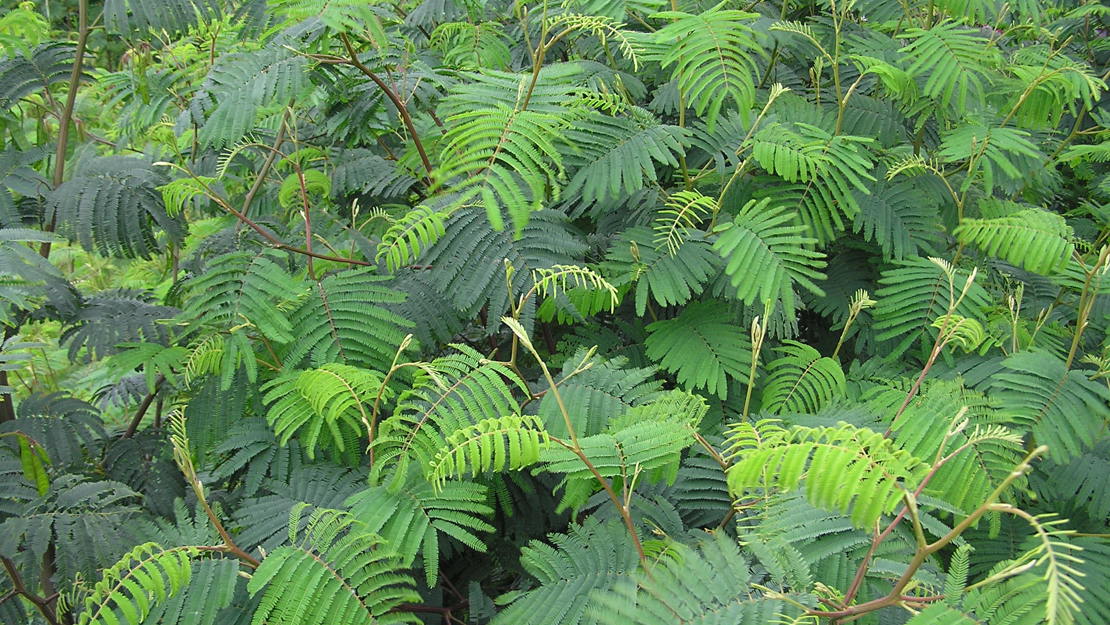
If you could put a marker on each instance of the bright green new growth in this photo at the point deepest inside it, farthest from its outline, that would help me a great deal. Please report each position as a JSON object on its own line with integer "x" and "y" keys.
{"x": 846, "y": 468}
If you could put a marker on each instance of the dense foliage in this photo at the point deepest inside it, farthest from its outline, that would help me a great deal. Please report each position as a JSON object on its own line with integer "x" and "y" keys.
{"x": 554, "y": 313}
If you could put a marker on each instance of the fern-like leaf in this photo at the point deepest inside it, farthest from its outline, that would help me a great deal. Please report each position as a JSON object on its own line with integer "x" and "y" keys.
{"x": 591, "y": 557}
{"x": 449, "y": 395}
{"x": 955, "y": 60}
{"x": 511, "y": 442}
{"x": 241, "y": 83}
{"x": 647, "y": 440}
{"x": 714, "y": 58}
{"x": 801, "y": 380}
{"x": 415, "y": 516}
{"x": 126, "y": 588}
{"x": 702, "y": 347}
{"x": 1033, "y": 238}
{"x": 335, "y": 398}
{"x": 704, "y": 585}
{"x": 596, "y": 396}
{"x": 914, "y": 293}
{"x": 22, "y": 75}
{"x": 991, "y": 154}
{"x": 829, "y": 171}
{"x": 1063, "y": 408}
{"x": 415, "y": 231}
{"x": 242, "y": 289}
{"x": 113, "y": 207}
{"x": 335, "y": 572}
{"x": 901, "y": 216}
{"x": 472, "y": 46}
{"x": 684, "y": 210}
{"x": 949, "y": 421}
{"x": 859, "y": 470}
{"x": 344, "y": 319}
{"x": 668, "y": 280}
{"x": 763, "y": 242}
{"x": 501, "y": 158}
{"x": 618, "y": 155}
{"x": 135, "y": 17}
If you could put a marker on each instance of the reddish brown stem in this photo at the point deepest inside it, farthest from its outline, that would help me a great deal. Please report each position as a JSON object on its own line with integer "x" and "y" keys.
{"x": 271, "y": 156}
{"x": 397, "y": 103}
{"x": 67, "y": 112}
{"x": 857, "y": 581}
{"x": 937, "y": 347}
{"x": 278, "y": 243}
{"x": 232, "y": 548}
{"x": 143, "y": 407}
{"x": 608, "y": 488}
{"x": 42, "y": 604}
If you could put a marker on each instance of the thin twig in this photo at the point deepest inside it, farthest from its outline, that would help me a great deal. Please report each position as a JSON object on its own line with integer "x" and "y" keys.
{"x": 276, "y": 242}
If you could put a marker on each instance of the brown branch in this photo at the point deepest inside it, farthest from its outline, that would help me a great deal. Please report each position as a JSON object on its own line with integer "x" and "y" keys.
{"x": 266, "y": 164}
{"x": 622, "y": 509}
{"x": 229, "y": 544}
{"x": 878, "y": 538}
{"x": 923, "y": 552}
{"x": 19, "y": 588}
{"x": 276, "y": 242}
{"x": 446, "y": 613}
{"x": 400, "y": 106}
{"x": 143, "y": 407}
{"x": 67, "y": 112}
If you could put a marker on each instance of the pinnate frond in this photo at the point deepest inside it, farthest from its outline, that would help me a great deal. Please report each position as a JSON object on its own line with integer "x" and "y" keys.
{"x": 706, "y": 584}
{"x": 955, "y": 59}
{"x": 145, "y": 576}
{"x": 502, "y": 158}
{"x": 713, "y": 55}
{"x": 336, "y": 572}
{"x": 801, "y": 380}
{"x": 450, "y": 394}
{"x": 511, "y": 442}
{"x": 589, "y": 557}
{"x": 1033, "y": 238}
{"x": 551, "y": 281}
{"x": 415, "y": 231}
{"x": 702, "y": 347}
{"x": 850, "y": 469}
{"x": 767, "y": 255}
{"x": 414, "y": 516}
{"x": 334, "y": 398}
{"x": 684, "y": 211}
{"x": 344, "y": 318}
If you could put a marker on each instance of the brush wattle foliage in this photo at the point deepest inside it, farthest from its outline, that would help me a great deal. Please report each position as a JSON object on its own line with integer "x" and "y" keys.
{"x": 537, "y": 312}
